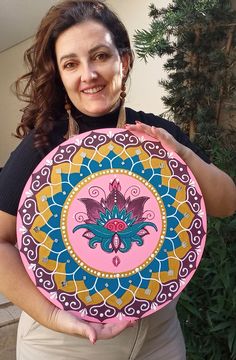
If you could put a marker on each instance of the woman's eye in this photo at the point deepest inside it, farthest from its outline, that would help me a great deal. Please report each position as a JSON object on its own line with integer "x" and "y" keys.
{"x": 69, "y": 65}
{"x": 101, "y": 57}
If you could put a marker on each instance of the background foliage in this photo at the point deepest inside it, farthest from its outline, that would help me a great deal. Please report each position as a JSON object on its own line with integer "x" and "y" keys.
{"x": 199, "y": 39}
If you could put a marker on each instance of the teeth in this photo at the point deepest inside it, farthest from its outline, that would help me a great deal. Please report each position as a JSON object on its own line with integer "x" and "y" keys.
{"x": 93, "y": 90}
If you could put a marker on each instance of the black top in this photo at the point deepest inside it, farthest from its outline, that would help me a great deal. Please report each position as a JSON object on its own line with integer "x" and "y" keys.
{"x": 26, "y": 157}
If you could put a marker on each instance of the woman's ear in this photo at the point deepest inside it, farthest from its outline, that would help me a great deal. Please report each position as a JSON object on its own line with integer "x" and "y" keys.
{"x": 125, "y": 59}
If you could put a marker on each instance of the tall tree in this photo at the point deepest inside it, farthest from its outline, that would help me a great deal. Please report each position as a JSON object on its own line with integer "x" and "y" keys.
{"x": 199, "y": 39}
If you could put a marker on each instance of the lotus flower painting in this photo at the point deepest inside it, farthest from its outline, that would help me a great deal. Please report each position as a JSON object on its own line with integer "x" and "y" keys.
{"x": 115, "y": 223}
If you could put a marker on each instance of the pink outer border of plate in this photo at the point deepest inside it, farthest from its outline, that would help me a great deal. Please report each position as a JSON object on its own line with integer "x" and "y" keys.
{"x": 46, "y": 159}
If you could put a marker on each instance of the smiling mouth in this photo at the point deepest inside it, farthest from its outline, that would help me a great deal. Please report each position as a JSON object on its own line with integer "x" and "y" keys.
{"x": 94, "y": 90}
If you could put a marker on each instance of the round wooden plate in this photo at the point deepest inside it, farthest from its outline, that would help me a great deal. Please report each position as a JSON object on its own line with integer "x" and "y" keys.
{"x": 111, "y": 225}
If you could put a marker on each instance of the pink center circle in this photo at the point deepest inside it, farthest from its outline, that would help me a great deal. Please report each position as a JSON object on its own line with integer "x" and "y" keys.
{"x": 115, "y": 260}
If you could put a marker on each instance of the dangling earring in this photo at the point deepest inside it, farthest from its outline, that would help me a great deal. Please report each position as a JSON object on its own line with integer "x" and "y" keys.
{"x": 122, "y": 114}
{"x": 123, "y": 92}
{"x": 73, "y": 127}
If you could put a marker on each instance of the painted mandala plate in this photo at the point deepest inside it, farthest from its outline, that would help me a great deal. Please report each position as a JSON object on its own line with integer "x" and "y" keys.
{"x": 111, "y": 225}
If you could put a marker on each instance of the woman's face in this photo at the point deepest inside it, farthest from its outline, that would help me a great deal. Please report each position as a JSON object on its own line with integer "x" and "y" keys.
{"x": 90, "y": 67}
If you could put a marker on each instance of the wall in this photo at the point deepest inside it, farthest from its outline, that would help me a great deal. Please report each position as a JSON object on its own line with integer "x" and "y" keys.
{"x": 144, "y": 92}
{"x": 11, "y": 67}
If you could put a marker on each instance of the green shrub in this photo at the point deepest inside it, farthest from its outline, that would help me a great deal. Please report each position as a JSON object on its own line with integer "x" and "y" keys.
{"x": 207, "y": 307}
{"x": 199, "y": 39}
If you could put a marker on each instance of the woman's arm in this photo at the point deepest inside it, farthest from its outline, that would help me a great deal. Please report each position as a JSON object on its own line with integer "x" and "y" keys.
{"x": 16, "y": 285}
{"x": 217, "y": 187}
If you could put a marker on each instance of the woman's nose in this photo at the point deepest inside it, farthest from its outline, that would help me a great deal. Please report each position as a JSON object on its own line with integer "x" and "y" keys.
{"x": 88, "y": 73}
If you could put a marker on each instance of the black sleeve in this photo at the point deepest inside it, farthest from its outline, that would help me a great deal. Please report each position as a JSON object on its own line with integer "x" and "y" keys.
{"x": 172, "y": 128}
{"x": 16, "y": 172}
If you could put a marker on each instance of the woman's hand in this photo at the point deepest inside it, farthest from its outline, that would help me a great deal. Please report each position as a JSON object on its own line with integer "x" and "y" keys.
{"x": 65, "y": 322}
{"x": 167, "y": 140}
{"x": 217, "y": 187}
{"x": 26, "y": 295}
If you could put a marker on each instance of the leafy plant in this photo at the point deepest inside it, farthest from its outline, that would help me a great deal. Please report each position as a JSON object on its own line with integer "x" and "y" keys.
{"x": 207, "y": 307}
{"x": 199, "y": 39}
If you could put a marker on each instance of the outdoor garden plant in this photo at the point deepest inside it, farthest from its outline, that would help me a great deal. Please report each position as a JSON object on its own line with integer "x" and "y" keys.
{"x": 199, "y": 39}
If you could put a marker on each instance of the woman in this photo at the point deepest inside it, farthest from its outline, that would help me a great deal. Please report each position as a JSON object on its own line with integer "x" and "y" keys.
{"x": 78, "y": 67}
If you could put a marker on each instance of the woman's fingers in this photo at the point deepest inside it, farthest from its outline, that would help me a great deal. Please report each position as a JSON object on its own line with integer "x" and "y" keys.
{"x": 85, "y": 330}
{"x": 140, "y": 127}
{"x": 158, "y": 133}
{"x": 65, "y": 322}
{"x": 167, "y": 140}
{"x": 108, "y": 331}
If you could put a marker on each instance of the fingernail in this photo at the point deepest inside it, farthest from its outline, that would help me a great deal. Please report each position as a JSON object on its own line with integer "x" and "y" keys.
{"x": 92, "y": 340}
{"x": 137, "y": 122}
{"x": 133, "y": 323}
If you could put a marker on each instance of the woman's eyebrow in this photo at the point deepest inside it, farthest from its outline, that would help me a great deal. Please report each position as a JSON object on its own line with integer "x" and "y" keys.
{"x": 74, "y": 55}
{"x": 68, "y": 56}
{"x": 97, "y": 47}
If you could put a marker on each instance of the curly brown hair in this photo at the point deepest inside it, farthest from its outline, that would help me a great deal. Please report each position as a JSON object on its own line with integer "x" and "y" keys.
{"x": 41, "y": 87}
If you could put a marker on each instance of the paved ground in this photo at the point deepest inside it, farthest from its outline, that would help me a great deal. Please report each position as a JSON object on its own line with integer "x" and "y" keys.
{"x": 8, "y": 342}
{"x": 9, "y": 316}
